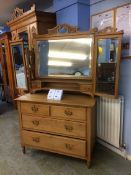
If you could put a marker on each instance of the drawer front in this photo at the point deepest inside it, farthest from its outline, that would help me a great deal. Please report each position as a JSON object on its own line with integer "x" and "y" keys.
{"x": 55, "y": 143}
{"x": 68, "y": 112}
{"x": 34, "y": 108}
{"x": 69, "y": 128}
{"x": 86, "y": 88}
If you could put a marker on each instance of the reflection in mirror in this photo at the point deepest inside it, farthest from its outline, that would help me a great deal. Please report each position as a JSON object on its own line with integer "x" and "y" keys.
{"x": 107, "y": 52}
{"x": 64, "y": 57}
{"x": 19, "y": 66}
{"x": 5, "y": 65}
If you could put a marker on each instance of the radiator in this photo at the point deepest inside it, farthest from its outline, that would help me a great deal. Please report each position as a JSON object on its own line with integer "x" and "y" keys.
{"x": 110, "y": 120}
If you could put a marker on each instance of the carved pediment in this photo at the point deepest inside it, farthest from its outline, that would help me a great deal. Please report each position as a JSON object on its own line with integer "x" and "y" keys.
{"x": 15, "y": 36}
{"x": 107, "y": 30}
{"x": 63, "y": 28}
{"x": 19, "y": 12}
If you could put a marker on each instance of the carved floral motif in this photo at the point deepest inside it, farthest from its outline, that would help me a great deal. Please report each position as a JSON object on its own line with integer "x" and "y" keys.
{"x": 17, "y": 12}
{"x": 33, "y": 30}
{"x": 15, "y": 36}
{"x": 63, "y": 28}
{"x": 107, "y": 30}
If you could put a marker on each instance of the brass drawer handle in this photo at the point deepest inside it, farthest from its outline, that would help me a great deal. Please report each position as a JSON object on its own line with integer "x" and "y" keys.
{"x": 68, "y": 146}
{"x": 34, "y": 108}
{"x": 68, "y": 113}
{"x": 36, "y": 139}
{"x": 35, "y": 122}
{"x": 68, "y": 128}
{"x": 89, "y": 89}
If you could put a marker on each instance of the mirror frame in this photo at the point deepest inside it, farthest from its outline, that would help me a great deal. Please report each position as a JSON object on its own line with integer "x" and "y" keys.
{"x": 14, "y": 43}
{"x": 86, "y": 85}
{"x": 70, "y": 84}
{"x": 59, "y": 37}
{"x": 110, "y": 35}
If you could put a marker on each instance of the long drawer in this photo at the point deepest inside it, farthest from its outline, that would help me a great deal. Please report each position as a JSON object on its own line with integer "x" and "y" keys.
{"x": 69, "y": 128}
{"x": 68, "y": 112}
{"x": 35, "y": 108}
{"x": 55, "y": 143}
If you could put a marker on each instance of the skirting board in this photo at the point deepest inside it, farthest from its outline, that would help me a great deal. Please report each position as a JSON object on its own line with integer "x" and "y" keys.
{"x": 122, "y": 153}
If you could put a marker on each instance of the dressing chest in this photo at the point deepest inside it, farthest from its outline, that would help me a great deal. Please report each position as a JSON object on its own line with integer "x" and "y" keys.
{"x": 66, "y": 127}
{"x": 75, "y": 62}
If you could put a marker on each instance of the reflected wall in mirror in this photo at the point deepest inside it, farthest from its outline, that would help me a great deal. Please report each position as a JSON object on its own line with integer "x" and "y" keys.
{"x": 5, "y": 71}
{"x": 64, "y": 57}
{"x": 19, "y": 70}
{"x": 107, "y": 57}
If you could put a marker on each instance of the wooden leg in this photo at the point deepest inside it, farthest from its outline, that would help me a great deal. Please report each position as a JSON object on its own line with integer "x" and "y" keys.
{"x": 88, "y": 164}
{"x": 23, "y": 150}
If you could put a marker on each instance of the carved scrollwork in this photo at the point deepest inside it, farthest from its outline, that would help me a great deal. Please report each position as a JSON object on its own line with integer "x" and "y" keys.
{"x": 17, "y": 12}
{"x": 15, "y": 36}
{"x": 93, "y": 30}
{"x": 33, "y": 30}
{"x": 62, "y": 28}
{"x": 33, "y": 7}
{"x": 107, "y": 30}
{"x": 6, "y": 44}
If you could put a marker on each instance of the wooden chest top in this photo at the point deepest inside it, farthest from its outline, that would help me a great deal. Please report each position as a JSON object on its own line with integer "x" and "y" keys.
{"x": 68, "y": 99}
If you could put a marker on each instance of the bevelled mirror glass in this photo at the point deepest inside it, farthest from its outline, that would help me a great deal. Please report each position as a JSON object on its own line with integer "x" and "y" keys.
{"x": 106, "y": 62}
{"x": 19, "y": 70}
{"x": 64, "y": 57}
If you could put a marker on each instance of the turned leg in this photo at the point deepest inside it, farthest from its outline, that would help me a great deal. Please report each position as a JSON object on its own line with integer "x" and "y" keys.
{"x": 23, "y": 150}
{"x": 88, "y": 164}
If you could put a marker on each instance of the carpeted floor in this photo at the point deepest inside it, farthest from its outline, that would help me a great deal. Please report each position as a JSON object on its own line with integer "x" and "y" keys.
{"x": 13, "y": 162}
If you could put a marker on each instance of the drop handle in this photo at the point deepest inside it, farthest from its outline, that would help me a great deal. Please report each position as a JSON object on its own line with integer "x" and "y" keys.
{"x": 68, "y": 146}
{"x": 35, "y": 122}
{"x": 36, "y": 139}
{"x": 68, "y": 112}
{"x": 34, "y": 108}
{"x": 68, "y": 128}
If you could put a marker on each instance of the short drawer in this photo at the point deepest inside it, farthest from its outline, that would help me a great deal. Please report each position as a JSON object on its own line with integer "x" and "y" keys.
{"x": 86, "y": 88}
{"x": 69, "y": 128}
{"x": 68, "y": 112}
{"x": 55, "y": 143}
{"x": 34, "y": 108}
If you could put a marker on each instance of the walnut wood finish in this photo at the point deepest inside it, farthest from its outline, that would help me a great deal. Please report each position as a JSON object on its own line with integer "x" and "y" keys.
{"x": 65, "y": 127}
{"x": 8, "y": 78}
{"x": 30, "y": 22}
